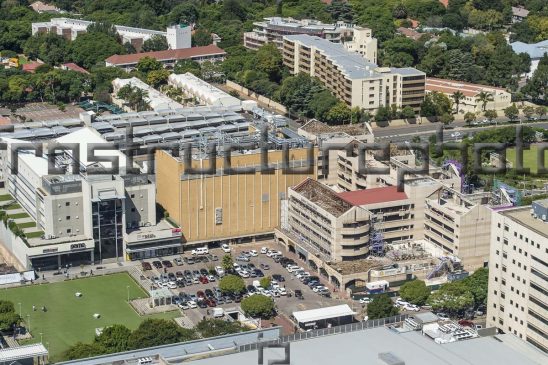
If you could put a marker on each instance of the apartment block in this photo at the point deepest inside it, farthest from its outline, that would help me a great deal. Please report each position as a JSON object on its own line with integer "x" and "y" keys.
{"x": 517, "y": 302}
{"x": 357, "y": 82}
{"x": 178, "y": 36}
{"x": 273, "y": 29}
{"x": 459, "y": 225}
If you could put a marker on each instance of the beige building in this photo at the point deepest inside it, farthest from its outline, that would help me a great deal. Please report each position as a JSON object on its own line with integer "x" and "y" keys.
{"x": 228, "y": 207}
{"x": 357, "y": 82}
{"x": 363, "y": 43}
{"x": 459, "y": 225}
{"x": 501, "y": 98}
{"x": 518, "y": 273}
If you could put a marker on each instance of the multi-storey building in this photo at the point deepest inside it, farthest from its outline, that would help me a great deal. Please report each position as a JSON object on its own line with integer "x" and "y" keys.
{"x": 357, "y": 82}
{"x": 325, "y": 224}
{"x": 86, "y": 216}
{"x": 517, "y": 302}
{"x": 178, "y": 36}
{"x": 500, "y": 98}
{"x": 221, "y": 206}
{"x": 459, "y": 225}
{"x": 272, "y": 30}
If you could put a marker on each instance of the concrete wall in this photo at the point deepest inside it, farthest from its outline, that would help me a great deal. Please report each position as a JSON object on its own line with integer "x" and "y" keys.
{"x": 260, "y": 98}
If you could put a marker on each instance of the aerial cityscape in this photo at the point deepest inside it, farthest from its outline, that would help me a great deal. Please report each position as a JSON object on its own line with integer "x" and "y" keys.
{"x": 220, "y": 182}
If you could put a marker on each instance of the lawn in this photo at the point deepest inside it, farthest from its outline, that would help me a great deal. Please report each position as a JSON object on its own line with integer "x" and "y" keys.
{"x": 34, "y": 234}
{"x": 5, "y": 197}
{"x": 70, "y": 319}
{"x": 18, "y": 215}
{"x": 529, "y": 157}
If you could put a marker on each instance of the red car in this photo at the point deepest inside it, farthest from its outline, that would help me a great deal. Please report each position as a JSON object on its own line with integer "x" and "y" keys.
{"x": 466, "y": 323}
{"x": 200, "y": 294}
{"x": 203, "y": 280}
{"x": 146, "y": 266}
{"x": 210, "y": 303}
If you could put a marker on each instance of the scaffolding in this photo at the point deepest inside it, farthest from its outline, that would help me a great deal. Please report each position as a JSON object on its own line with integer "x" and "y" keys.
{"x": 377, "y": 247}
{"x": 505, "y": 195}
{"x": 445, "y": 265}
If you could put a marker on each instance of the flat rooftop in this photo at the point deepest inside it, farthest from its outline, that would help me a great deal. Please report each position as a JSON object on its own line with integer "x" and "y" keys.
{"x": 523, "y": 216}
{"x": 323, "y": 196}
{"x": 373, "y": 196}
{"x": 451, "y": 86}
{"x": 411, "y": 348}
{"x": 316, "y": 127}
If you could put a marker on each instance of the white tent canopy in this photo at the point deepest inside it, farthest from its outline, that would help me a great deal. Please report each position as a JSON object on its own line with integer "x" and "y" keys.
{"x": 323, "y": 313}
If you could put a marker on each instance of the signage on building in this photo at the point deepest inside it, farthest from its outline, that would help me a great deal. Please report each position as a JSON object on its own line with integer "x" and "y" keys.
{"x": 50, "y": 250}
{"x": 146, "y": 236}
{"x": 176, "y": 232}
{"x": 77, "y": 246}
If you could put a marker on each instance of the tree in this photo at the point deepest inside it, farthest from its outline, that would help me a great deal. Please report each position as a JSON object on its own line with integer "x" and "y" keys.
{"x": 258, "y": 306}
{"x": 415, "y": 292}
{"x": 484, "y": 97}
{"x": 338, "y": 114}
{"x": 147, "y": 64}
{"x": 511, "y": 112}
{"x": 469, "y": 117}
{"x": 8, "y": 320}
{"x": 490, "y": 114}
{"x": 114, "y": 338}
{"x": 447, "y": 119}
{"x": 227, "y": 263}
{"x": 232, "y": 284}
{"x": 212, "y": 327}
{"x": 90, "y": 49}
{"x": 155, "y": 332}
{"x": 477, "y": 284}
{"x": 82, "y": 350}
{"x": 184, "y": 66}
{"x": 156, "y": 78}
{"x": 321, "y": 104}
{"x": 381, "y": 307}
{"x": 407, "y": 112}
{"x": 155, "y": 43}
{"x": 265, "y": 281}
{"x": 135, "y": 97}
{"x": 528, "y": 111}
{"x": 383, "y": 114}
{"x": 457, "y": 96}
{"x": 269, "y": 60}
{"x": 541, "y": 111}
{"x": 399, "y": 12}
{"x": 452, "y": 297}
{"x": 201, "y": 38}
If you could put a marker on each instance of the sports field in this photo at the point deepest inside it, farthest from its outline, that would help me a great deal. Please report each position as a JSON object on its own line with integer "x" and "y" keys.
{"x": 529, "y": 157}
{"x": 69, "y": 319}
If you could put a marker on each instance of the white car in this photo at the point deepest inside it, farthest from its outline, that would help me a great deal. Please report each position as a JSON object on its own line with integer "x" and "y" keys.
{"x": 264, "y": 250}
{"x": 200, "y": 251}
{"x": 172, "y": 285}
{"x": 184, "y": 305}
{"x": 271, "y": 253}
{"x": 411, "y": 307}
{"x": 192, "y": 304}
{"x": 244, "y": 273}
{"x": 282, "y": 291}
{"x": 225, "y": 248}
{"x": 365, "y": 300}
{"x": 253, "y": 253}
{"x": 443, "y": 316}
{"x": 219, "y": 270}
{"x": 236, "y": 266}
{"x": 455, "y": 134}
{"x": 292, "y": 268}
{"x": 401, "y": 303}
{"x": 319, "y": 288}
{"x": 210, "y": 278}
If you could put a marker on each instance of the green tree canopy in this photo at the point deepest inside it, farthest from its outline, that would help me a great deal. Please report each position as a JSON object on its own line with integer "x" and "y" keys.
{"x": 212, "y": 327}
{"x": 156, "y": 332}
{"x": 147, "y": 64}
{"x": 258, "y": 306}
{"x": 415, "y": 292}
{"x": 511, "y": 112}
{"x": 81, "y": 350}
{"x": 155, "y": 43}
{"x": 227, "y": 263}
{"x": 91, "y": 49}
{"x": 452, "y": 297}
{"x": 157, "y": 78}
{"x": 265, "y": 281}
{"x": 381, "y": 307}
{"x": 231, "y": 284}
{"x": 114, "y": 338}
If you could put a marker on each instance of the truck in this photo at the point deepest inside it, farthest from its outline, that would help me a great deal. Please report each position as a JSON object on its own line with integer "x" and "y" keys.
{"x": 218, "y": 312}
{"x": 377, "y": 286}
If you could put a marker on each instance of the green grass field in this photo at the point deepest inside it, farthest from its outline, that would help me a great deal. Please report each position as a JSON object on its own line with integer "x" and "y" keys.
{"x": 529, "y": 157}
{"x": 70, "y": 319}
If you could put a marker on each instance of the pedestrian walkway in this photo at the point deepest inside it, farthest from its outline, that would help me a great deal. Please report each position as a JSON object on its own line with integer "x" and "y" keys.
{"x": 184, "y": 322}
{"x": 10, "y": 341}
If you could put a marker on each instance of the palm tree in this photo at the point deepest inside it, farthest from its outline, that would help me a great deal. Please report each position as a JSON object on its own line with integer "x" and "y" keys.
{"x": 457, "y": 97}
{"x": 483, "y": 98}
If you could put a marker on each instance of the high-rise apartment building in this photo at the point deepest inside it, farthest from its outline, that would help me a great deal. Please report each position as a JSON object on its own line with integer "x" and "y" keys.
{"x": 517, "y": 302}
{"x": 357, "y": 82}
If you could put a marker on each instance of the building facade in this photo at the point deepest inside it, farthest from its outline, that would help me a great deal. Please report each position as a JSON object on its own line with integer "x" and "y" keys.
{"x": 228, "y": 207}
{"x": 518, "y": 273}
{"x": 357, "y": 82}
{"x": 178, "y": 36}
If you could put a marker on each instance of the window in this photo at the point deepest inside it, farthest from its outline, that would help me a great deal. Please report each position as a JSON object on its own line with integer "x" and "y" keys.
{"x": 132, "y": 196}
{"x": 69, "y": 230}
{"x": 498, "y": 225}
{"x": 68, "y": 217}
{"x": 506, "y": 228}
{"x": 67, "y": 204}
{"x": 520, "y": 236}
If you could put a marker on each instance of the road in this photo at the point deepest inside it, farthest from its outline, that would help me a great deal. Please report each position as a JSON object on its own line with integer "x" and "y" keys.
{"x": 405, "y": 133}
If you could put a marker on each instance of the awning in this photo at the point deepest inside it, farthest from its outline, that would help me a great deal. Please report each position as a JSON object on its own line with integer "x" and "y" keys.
{"x": 323, "y": 313}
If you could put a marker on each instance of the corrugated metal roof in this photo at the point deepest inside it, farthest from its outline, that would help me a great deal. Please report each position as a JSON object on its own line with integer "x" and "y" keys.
{"x": 22, "y": 352}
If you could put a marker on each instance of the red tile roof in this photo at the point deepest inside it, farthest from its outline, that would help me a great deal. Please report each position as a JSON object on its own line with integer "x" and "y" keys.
{"x": 75, "y": 67}
{"x": 31, "y": 66}
{"x": 451, "y": 86}
{"x": 373, "y": 196}
{"x": 170, "y": 54}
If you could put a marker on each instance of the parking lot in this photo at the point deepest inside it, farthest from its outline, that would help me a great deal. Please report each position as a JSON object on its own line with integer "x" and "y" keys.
{"x": 45, "y": 111}
{"x": 192, "y": 275}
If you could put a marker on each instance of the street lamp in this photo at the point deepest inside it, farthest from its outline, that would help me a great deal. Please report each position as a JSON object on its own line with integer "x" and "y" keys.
{"x": 28, "y": 321}
{"x": 127, "y": 287}
{"x": 20, "y": 311}
{"x": 41, "y": 337}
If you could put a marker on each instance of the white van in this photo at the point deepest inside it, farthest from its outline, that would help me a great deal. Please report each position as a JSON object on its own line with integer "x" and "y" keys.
{"x": 200, "y": 251}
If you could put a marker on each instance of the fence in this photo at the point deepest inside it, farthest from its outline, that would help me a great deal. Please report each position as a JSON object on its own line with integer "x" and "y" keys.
{"x": 258, "y": 97}
{"x": 352, "y": 327}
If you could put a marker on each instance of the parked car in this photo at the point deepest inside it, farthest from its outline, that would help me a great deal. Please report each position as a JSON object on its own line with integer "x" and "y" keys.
{"x": 157, "y": 264}
{"x": 365, "y": 300}
{"x": 178, "y": 261}
{"x": 242, "y": 258}
{"x": 253, "y": 253}
{"x": 401, "y": 303}
{"x": 220, "y": 271}
{"x": 189, "y": 260}
{"x": 200, "y": 294}
{"x": 264, "y": 250}
{"x": 411, "y": 307}
{"x": 298, "y": 294}
{"x": 225, "y": 248}
{"x": 146, "y": 266}
{"x": 211, "y": 278}
{"x": 213, "y": 257}
{"x": 442, "y": 316}
{"x": 184, "y": 305}
{"x": 200, "y": 251}
{"x": 259, "y": 273}
{"x": 203, "y": 279}
{"x": 167, "y": 263}
{"x": 319, "y": 288}
{"x": 264, "y": 266}
{"x": 466, "y": 323}
{"x": 244, "y": 273}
